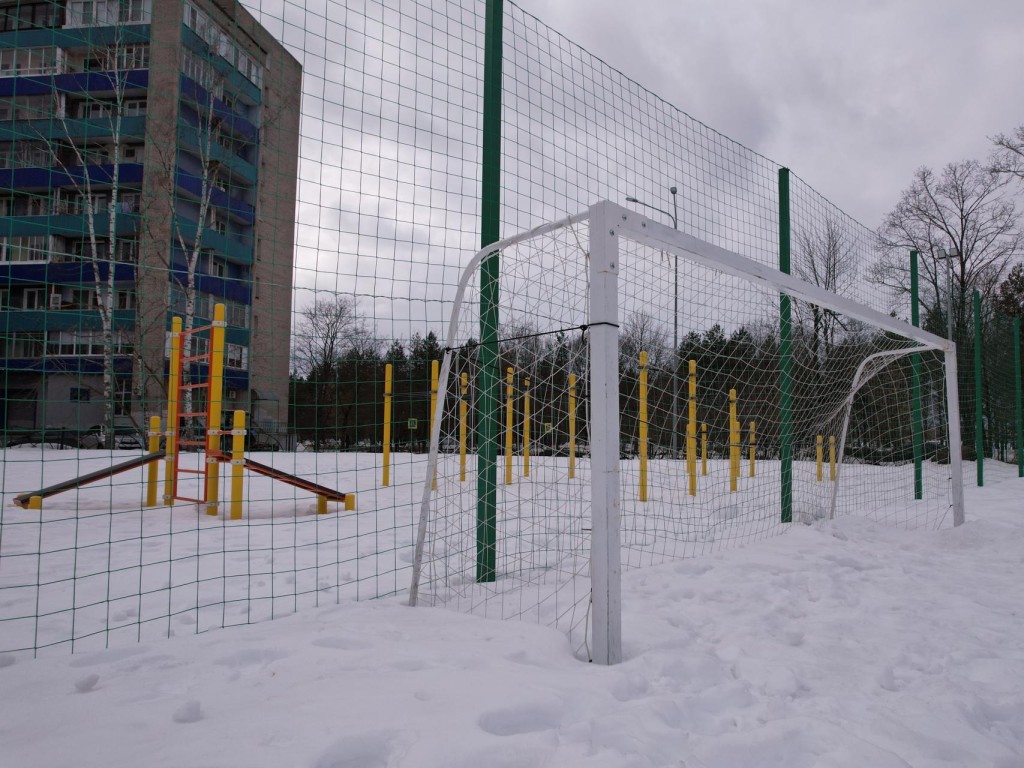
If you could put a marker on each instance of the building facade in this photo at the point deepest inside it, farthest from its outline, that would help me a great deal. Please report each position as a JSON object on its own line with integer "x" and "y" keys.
{"x": 148, "y": 168}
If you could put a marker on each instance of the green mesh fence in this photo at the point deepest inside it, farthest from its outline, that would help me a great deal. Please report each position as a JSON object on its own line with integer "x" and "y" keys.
{"x": 316, "y": 169}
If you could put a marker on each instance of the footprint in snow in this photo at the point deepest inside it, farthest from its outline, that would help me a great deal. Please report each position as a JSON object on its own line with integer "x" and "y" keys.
{"x": 87, "y": 683}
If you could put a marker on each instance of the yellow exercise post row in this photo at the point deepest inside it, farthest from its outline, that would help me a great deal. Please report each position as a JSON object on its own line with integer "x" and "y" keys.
{"x": 819, "y": 458}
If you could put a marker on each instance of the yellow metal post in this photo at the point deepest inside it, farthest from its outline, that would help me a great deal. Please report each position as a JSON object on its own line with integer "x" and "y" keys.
{"x": 433, "y": 406}
{"x": 321, "y": 505}
{"x": 572, "y": 426}
{"x": 509, "y": 420}
{"x": 215, "y": 394}
{"x": 832, "y": 458}
{"x": 350, "y": 502}
{"x": 753, "y": 448}
{"x": 389, "y": 372}
{"x": 526, "y": 428}
{"x": 703, "y": 450}
{"x": 153, "y": 470}
{"x": 463, "y": 411}
{"x": 237, "y": 463}
{"x": 734, "y": 443}
{"x": 643, "y": 426}
{"x": 173, "y": 390}
{"x": 35, "y": 502}
{"x": 819, "y": 454}
{"x": 691, "y": 430}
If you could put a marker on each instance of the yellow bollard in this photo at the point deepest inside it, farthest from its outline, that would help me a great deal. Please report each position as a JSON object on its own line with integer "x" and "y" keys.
{"x": 526, "y": 428}
{"x": 832, "y": 458}
{"x": 389, "y": 372}
{"x": 463, "y": 410}
{"x": 215, "y": 393}
{"x": 643, "y": 426}
{"x": 819, "y": 454}
{"x": 321, "y": 505}
{"x": 35, "y": 502}
{"x": 734, "y": 443}
{"x": 691, "y": 430}
{"x": 173, "y": 390}
{"x": 350, "y": 502}
{"x": 704, "y": 450}
{"x": 572, "y": 426}
{"x": 237, "y": 463}
{"x": 753, "y": 447}
{"x": 509, "y": 420}
{"x": 152, "y": 471}
{"x": 433, "y": 406}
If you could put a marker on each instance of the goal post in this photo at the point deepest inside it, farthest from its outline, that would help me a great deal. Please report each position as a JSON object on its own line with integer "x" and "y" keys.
{"x": 582, "y": 302}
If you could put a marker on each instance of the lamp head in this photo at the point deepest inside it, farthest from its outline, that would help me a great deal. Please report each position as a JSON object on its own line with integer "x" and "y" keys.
{"x": 632, "y": 200}
{"x": 672, "y": 190}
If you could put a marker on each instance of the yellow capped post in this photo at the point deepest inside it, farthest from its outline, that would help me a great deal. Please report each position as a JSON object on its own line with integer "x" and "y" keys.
{"x": 819, "y": 455}
{"x": 572, "y": 426}
{"x": 173, "y": 392}
{"x": 509, "y": 422}
{"x": 463, "y": 412}
{"x": 832, "y": 458}
{"x": 215, "y": 395}
{"x": 691, "y": 429}
{"x": 389, "y": 372}
{"x": 152, "y": 471}
{"x": 526, "y": 428}
{"x": 237, "y": 463}
{"x": 643, "y": 426}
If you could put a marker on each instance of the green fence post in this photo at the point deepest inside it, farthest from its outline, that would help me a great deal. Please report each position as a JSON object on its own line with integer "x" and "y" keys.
{"x": 979, "y": 420}
{"x": 785, "y": 356}
{"x": 1017, "y": 397}
{"x": 915, "y": 363}
{"x": 490, "y": 231}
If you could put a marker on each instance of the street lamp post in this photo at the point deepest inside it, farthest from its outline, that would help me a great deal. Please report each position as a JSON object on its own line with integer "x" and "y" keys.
{"x": 948, "y": 256}
{"x": 674, "y": 216}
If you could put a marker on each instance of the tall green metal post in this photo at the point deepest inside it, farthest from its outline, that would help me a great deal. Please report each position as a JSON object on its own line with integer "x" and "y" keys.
{"x": 1017, "y": 397}
{"x": 915, "y": 368}
{"x": 785, "y": 356}
{"x": 979, "y": 419}
{"x": 490, "y": 232}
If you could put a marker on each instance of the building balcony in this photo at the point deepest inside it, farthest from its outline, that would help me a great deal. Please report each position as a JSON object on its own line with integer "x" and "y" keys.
{"x": 13, "y": 320}
{"x": 71, "y": 129}
{"x": 69, "y": 225}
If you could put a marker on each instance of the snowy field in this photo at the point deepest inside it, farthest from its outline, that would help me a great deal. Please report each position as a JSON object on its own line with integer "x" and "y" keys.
{"x": 840, "y": 644}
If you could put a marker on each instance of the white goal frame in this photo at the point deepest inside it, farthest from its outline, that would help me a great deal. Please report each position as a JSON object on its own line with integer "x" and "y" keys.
{"x": 608, "y": 223}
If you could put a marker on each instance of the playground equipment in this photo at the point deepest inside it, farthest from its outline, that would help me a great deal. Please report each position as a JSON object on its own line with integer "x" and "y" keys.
{"x": 34, "y": 499}
{"x": 182, "y": 426}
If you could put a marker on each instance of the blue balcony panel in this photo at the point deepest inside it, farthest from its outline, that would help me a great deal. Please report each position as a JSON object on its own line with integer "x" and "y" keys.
{"x": 51, "y": 178}
{"x": 188, "y": 139}
{"x": 71, "y": 364}
{"x": 63, "y": 273}
{"x": 194, "y": 186}
{"x": 190, "y": 89}
{"x": 73, "y": 83}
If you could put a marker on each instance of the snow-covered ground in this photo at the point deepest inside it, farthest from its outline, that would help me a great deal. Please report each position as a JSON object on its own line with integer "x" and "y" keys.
{"x": 840, "y": 644}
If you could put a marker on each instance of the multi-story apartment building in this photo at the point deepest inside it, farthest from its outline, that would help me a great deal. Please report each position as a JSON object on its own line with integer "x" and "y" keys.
{"x": 148, "y": 155}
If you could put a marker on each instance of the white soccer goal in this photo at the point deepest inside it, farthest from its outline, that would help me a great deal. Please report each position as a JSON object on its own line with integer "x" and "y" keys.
{"x": 581, "y": 443}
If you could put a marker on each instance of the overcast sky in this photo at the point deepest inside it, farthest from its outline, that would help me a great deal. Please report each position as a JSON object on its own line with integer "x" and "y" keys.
{"x": 852, "y": 96}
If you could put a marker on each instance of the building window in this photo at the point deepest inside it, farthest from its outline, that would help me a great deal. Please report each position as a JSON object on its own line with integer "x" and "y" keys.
{"x": 40, "y": 15}
{"x": 221, "y": 42}
{"x": 31, "y": 248}
{"x": 236, "y": 356}
{"x": 89, "y": 13}
{"x": 32, "y": 107}
{"x": 29, "y": 61}
{"x": 79, "y": 395}
{"x": 25, "y": 344}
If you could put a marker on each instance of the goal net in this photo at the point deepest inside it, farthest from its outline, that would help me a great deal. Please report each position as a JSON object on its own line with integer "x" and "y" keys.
{"x": 642, "y": 396}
